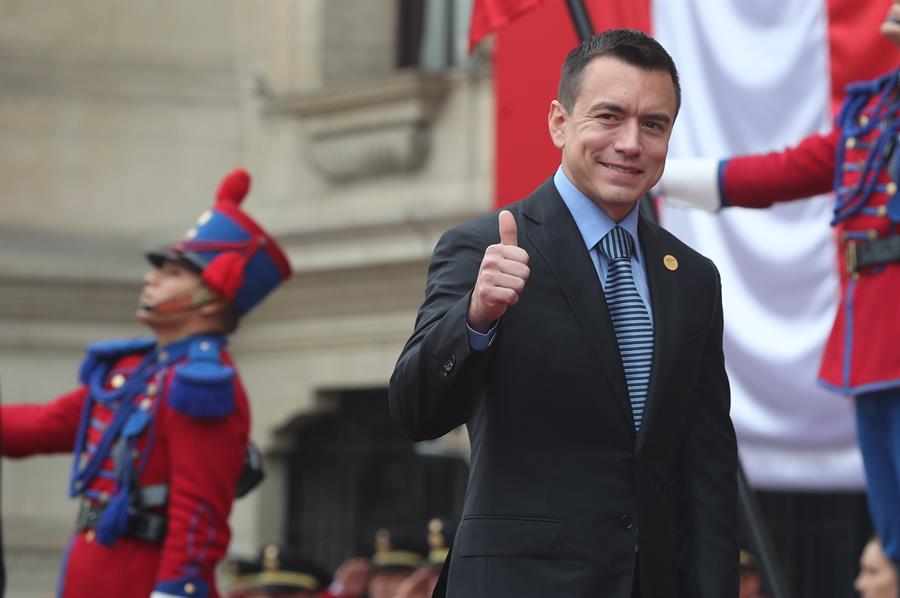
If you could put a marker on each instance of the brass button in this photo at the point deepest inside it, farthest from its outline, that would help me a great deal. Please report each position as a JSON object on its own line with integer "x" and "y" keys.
{"x": 189, "y": 588}
{"x": 850, "y": 143}
{"x": 117, "y": 381}
{"x": 146, "y": 404}
{"x": 162, "y": 356}
{"x": 891, "y": 188}
{"x": 151, "y": 389}
{"x": 882, "y": 210}
{"x": 89, "y": 536}
{"x": 863, "y": 120}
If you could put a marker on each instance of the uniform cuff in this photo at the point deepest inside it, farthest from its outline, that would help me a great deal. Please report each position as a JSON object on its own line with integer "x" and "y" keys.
{"x": 184, "y": 587}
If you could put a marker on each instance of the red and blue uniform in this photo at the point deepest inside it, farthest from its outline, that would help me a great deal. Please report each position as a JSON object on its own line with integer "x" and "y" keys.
{"x": 861, "y": 354}
{"x": 159, "y": 433}
{"x": 162, "y": 429}
{"x": 860, "y": 161}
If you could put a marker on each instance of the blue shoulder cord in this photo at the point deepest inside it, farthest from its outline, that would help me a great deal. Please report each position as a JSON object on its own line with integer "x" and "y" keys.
{"x": 850, "y": 201}
{"x": 151, "y": 436}
{"x": 81, "y": 477}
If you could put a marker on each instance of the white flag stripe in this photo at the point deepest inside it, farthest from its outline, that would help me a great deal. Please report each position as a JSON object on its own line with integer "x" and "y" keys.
{"x": 755, "y": 77}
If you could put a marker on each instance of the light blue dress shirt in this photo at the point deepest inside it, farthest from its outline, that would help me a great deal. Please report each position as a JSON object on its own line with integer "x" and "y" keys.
{"x": 594, "y": 224}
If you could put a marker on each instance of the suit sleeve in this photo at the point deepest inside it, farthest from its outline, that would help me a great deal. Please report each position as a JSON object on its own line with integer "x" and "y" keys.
{"x": 30, "y": 429}
{"x": 706, "y": 490}
{"x": 438, "y": 377}
{"x": 205, "y": 459}
{"x": 758, "y": 181}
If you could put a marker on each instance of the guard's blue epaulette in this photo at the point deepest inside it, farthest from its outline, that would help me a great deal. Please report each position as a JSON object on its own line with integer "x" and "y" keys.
{"x": 107, "y": 351}
{"x": 203, "y": 386}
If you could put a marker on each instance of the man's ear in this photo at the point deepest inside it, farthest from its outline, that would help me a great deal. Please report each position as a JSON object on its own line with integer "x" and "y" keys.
{"x": 556, "y": 121}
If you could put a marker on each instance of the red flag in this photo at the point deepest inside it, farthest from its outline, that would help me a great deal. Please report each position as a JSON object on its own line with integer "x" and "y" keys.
{"x": 490, "y": 15}
{"x": 527, "y": 58}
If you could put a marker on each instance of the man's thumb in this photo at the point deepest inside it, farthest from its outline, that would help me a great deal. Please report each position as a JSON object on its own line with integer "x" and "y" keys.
{"x": 508, "y": 230}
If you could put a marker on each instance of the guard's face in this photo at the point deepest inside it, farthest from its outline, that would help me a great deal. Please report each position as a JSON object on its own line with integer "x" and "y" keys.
{"x": 167, "y": 289}
{"x": 751, "y": 585}
{"x": 877, "y": 576}
{"x": 614, "y": 141}
{"x": 384, "y": 584}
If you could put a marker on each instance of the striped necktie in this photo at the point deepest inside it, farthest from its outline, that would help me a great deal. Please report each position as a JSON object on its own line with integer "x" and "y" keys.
{"x": 634, "y": 331}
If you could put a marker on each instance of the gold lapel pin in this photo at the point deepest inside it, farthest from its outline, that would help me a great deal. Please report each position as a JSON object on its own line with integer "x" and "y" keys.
{"x": 670, "y": 262}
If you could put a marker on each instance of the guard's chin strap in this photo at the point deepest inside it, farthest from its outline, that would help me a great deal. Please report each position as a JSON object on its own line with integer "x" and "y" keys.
{"x": 184, "y": 301}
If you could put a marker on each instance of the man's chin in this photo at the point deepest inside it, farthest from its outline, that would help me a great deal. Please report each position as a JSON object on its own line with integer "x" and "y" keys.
{"x": 143, "y": 313}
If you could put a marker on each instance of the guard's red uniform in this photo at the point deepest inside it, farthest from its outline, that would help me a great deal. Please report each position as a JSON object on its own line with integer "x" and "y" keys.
{"x": 861, "y": 354}
{"x": 159, "y": 433}
{"x": 198, "y": 460}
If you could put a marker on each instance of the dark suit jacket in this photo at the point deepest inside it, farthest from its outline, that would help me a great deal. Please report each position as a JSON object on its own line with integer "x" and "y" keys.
{"x": 562, "y": 495}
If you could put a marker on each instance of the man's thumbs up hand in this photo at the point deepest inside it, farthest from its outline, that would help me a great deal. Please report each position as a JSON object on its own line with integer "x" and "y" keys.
{"x": 501, "y": 278}
{"x": 509, "y": 232}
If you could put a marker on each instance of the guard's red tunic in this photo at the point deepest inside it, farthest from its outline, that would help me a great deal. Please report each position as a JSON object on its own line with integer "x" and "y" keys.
{"x": 199, "y": 459}
{"x": 861, "y": 354}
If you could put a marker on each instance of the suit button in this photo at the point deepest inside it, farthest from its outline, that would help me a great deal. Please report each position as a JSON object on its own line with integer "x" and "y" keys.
{"x": 627, "y": 521}
{"x": 449, "y": 364}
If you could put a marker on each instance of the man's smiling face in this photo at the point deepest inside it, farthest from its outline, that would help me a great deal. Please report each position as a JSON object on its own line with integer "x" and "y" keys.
{"x": 615, "y": 138}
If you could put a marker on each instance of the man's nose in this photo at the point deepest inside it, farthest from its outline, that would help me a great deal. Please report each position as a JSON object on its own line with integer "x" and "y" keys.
{"x": 628, "y": 140}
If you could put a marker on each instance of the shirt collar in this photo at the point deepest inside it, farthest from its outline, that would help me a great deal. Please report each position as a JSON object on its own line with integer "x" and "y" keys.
{"x": 179, "y": 349}
{"x": 592, "y": 222}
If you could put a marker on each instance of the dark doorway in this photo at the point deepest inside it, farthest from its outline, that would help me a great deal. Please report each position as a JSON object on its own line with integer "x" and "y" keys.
{"x": 352, "y": 472}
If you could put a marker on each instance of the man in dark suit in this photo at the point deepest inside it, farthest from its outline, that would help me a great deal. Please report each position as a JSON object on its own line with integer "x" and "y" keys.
{"x": 582, "y": 346}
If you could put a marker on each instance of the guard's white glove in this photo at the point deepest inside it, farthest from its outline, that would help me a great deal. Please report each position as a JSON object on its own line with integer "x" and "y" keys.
{"x": 692, "y": 182}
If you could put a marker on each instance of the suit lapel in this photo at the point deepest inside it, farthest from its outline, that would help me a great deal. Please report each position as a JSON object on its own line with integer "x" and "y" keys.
{"x": 663, "y": 287}
{"x": 553, "y": 232}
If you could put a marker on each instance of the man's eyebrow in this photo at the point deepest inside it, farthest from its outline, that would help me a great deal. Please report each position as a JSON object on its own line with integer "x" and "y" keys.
{"x": 610, "y": 106}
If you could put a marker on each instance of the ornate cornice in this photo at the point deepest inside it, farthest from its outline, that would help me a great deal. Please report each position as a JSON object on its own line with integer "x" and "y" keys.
{"x": 367, "y": 129}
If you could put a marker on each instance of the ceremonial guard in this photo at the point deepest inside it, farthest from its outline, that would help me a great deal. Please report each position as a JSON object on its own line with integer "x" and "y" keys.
{"x": 859, "y": 160}
{"x": 422, "y": 583}
{"x": 159, "y": 426}
{"x": 399, "y": 552}
{"x": 279, "y": 572}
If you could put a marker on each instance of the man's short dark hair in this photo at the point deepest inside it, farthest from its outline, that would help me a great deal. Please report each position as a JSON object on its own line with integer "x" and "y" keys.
{"x": 628, "y": 45}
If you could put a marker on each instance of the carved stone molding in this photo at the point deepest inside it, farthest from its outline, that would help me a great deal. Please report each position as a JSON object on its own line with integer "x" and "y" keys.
{"x": 369, "y": 128}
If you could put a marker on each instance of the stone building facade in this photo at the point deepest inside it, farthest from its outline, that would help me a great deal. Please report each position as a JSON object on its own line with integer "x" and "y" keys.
{"x": 367, "y": 131}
